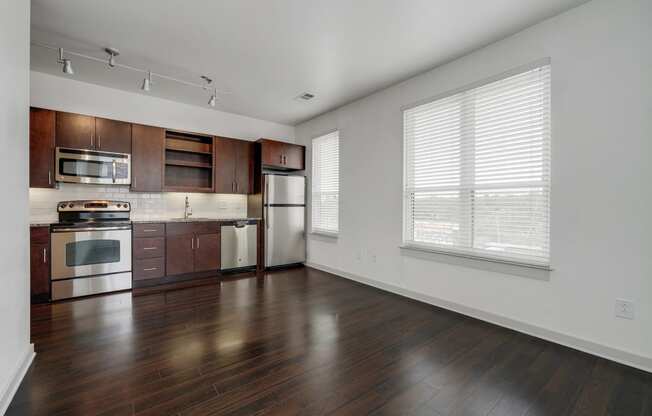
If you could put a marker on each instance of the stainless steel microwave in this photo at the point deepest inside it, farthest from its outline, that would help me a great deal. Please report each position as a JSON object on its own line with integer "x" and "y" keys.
{"x": 91, "y": 166}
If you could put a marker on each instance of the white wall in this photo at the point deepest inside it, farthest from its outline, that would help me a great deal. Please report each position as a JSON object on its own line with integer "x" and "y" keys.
{"x": 15, "y": 349}
{"x": 601, "y": 238}
{"x": 67, "y": 94}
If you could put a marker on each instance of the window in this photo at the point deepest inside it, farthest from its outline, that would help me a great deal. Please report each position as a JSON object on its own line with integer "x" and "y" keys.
{"x": 326, "y": 183}
{"x": 477, "y": 171}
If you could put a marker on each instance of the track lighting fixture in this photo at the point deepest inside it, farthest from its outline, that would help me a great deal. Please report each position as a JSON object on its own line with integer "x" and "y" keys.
{"x": 147, "y": 82}
{"x": 67, "y": 65}
{"x": 113, "y": 52}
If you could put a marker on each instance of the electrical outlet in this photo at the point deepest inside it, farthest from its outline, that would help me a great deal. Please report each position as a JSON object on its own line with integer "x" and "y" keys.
{"x": 624, "y": 309}
{"x": 373, "y": 257}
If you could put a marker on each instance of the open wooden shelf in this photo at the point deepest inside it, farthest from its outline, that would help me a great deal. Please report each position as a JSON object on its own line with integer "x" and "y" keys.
{"x": 181, "y": 145}
{"x": 188, "y": 163}
{"x": 187, "y": 189}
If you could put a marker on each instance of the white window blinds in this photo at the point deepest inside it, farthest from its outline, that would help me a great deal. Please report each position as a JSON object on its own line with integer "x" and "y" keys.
{"x": 477, "y": 171}
{"x": 326, "y": 183}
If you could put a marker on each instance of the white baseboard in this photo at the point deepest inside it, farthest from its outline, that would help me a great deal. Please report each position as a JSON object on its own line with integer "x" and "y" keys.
{"x": 14, "y": 382}
{"x": 604, "y": 351}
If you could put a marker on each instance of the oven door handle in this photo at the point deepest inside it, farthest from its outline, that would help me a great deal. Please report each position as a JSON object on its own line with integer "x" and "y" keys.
{"x": 63, "y": 230}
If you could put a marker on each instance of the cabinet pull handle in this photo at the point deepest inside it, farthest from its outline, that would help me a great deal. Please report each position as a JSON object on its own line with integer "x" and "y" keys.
{"x": 284, "y": 159}
{"x": 92, "y": 141}
{"x": 45, "y": 255}
{"x": 99, "y": 141}
{"x": 197, "y": 242}
{"x": 149, "y": 230}
{"x": 149, "y": 269}
{"x": 115, "y": 167}
{"x": 236, "y": 186}
{"x": 192, "y": 243}
{"x": 150, "y": 248}
{"x": 281, "y": 157}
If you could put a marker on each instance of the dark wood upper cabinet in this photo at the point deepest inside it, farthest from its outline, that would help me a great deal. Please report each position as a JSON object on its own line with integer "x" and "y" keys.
{"x": 225, "y": 165}
{"x": 147, "y": 154}
{"x": 75, "y": 131}
{"x": 207, "y": 252}
{"x": 280, "y": 155}
{"x": 41, "y": 148}
{"x": 244, "y": 167}
{"x": 78, "y": 131}
{"x": 233, "y": 166}
{"x": 112, "y": 135}
{"x": 272, "y": 152}
{"x": 294, "y": 157}
{"x": 179, "y": 254}
{"x": 40, "y": 264}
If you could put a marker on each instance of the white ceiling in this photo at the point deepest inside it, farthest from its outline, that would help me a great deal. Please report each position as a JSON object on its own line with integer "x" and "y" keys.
{"x": 266, "y": 52}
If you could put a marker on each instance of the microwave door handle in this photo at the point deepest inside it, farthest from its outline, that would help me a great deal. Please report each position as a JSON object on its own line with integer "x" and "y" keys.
{"x": 114, "y": 169}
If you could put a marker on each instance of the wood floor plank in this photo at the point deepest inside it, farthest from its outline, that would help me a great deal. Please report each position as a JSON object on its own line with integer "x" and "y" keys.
{"x": 304, "y": 342}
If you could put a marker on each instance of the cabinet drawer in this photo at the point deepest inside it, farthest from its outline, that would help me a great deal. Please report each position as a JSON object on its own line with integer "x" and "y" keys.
{"x": 149, "y": 268}
{"x": 199, "y": 227}
{"x": 149, "y": 247}
{"x": 39, "y": 235}
{"x": 149, "y": 230}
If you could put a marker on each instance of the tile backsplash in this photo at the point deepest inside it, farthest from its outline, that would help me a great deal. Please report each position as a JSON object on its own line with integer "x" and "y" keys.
{"x": 144, "y": 206}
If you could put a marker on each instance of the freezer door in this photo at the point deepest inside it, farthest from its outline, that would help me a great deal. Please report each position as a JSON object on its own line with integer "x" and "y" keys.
{"x": 281, "y": 189}
{"x": 285, "y": 239}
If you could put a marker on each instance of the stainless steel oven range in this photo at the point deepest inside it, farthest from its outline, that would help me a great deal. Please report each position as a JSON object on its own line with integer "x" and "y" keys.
{"x": 91, "y": 248}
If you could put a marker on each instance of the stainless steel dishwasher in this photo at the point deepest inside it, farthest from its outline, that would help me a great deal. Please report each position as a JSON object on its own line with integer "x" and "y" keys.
{"x": 239, "y": 244}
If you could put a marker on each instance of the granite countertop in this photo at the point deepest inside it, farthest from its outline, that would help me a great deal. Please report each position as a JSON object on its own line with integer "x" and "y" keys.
{"x": 47, "y": 223}
{"x": 191, "y": 219}
{"x": 41, "y": 223}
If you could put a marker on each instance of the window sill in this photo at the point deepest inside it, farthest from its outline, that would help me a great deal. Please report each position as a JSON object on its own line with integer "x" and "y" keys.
{"x": 535, "y": 271}
{"x": 325, "y": 234}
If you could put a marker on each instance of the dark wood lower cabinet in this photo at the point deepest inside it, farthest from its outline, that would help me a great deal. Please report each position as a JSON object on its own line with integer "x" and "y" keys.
{"x": 39, "y": 264}
{"x": 207, "y": 252}
{"x": 179, "y": 254}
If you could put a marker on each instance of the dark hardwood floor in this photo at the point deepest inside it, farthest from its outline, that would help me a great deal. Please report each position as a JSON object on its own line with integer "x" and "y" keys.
{"x": 303, "y": 342}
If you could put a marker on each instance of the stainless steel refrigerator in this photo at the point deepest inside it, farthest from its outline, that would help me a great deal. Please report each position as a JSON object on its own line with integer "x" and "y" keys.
{"x": 285, "y": 219}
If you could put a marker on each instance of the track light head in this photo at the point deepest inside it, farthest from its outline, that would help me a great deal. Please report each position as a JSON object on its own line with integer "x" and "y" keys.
{"x": 147, "y": 82}
{"x": 67, "y": 67}
{"x": 67, "y": 64}
{"x": 113, "y": 52}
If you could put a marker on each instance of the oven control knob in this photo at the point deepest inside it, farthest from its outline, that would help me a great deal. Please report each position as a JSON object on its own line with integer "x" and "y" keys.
{"x": 126, "y": 205}
{"x": 70, "y": 205}
{"x": 62, "y": 206}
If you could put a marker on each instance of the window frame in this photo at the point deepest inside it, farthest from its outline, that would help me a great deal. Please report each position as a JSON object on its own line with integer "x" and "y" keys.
{"x": 459, "y": 252}
{"x": 321, "y": 232}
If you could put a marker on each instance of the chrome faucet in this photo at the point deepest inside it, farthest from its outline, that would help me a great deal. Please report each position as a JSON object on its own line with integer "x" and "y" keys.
{"x": 187, "y": 210}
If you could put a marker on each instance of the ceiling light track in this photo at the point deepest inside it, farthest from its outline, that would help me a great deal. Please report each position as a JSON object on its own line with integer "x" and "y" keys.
{"x": 147, "y": 81}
